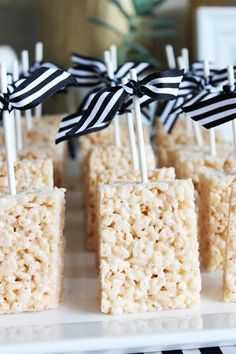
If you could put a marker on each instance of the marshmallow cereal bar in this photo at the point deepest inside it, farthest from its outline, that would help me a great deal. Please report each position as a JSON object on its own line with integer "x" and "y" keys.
{"x": 101, "y": 159}
{"x": 36, "y": 174}
{"x": 214, "y": 194}
{"x": 31, "y": 250}
{"x": 230, "y": 260}
{"x": 114, "y": 176}
{"x": 148, "y": 247}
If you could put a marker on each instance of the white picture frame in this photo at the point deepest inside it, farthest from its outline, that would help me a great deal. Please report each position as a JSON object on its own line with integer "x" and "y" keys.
{"x": 216, "y": 40}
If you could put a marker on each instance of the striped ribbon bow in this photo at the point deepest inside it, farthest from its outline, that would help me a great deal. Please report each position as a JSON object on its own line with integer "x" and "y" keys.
{"x": 192, "y": 89}
{"x": 33, "y": 90}
{"x": 211, "y": 111}
{"x": 44, "y": 64}
{"x": 93, "y": 72}
{"x": 108, "y": 101}
{"x": 189, "y": 87}
{"x": 217, "y": 76}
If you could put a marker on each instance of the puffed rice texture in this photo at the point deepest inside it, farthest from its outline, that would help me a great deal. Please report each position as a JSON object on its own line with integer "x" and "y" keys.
{"x": 148, "y": 247}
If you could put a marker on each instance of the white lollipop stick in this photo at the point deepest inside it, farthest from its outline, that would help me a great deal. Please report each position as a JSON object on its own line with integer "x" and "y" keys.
{"x": 139, "y": 130}
{"x": 213, "y": 142}
{"x": 132, "y": 142}
{"x": 230, "y": 70}
{"x": 181, "y": 63}
{"x": 19, "y": 140}
{"x": 206, "y": 68}
{"x": 113, "y": 54}
{"x": 25, "y": 68}
{"x": 185, "y": 56}
{"x": 7, "y": 134}
{"x": 212, "y": 130}
{"x": 38, "y": 59}
{"x": 188, "y": 121}
{"x": 13, "y": 127}
{"x": 170, "y": 56}
{"x": 38, "y": 52}
{"x": 116, "y": 125}
{"x": 198, "y": 133}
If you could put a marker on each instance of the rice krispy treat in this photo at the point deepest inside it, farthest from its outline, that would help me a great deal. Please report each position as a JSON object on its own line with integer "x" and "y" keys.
{"x": 230, "y": 259}
{"x": 179, "y": 136}
{"x": 43, "y": 131}
{"x": 114, "y": 176}
{"x": 166, "y": 141}
{"x": 105, "y": 138}
{"x": 101, "y": 159}
{"x": 188, "y": 162}
{"x": 31, "y": 250}
{"x": 36, "y": 174}
{"x": 214, "y": 194}
{"x": 148, "y": 247}
{"x": 55, "y": 153}
{"x": 176, "y": 153}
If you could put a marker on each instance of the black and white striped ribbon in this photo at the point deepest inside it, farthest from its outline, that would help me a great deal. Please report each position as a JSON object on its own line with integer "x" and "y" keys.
{"x": 108, "y": 101}
{"x": 188, "y": 88}
{"x": 217, "y": 76}
{"x": 44, "y": 64}
{"x": 126, "y": 106}
{"x": 92, "y": 72}
{"x": 92, "y": 75}
{"x": 171, "y": 113}
{"x": 31, "y": 91}
{"x": 89, "y": 76}
{"x": 82, "y": 60}
{"x": 214, "y": 111}
{"x": 192, "y": 90}
{"x": 38, "y": 65}
{"x": 69, "y": 122}
{"x": 191, "y": 84}
{"x": 231, "y": 349}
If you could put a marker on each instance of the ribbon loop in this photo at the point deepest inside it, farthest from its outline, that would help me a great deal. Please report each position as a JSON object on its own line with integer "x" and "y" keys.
{"x": 109, "y": 101}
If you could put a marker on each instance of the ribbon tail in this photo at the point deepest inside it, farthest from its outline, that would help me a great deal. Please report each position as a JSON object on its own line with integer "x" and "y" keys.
{"x": 40, "y": 86}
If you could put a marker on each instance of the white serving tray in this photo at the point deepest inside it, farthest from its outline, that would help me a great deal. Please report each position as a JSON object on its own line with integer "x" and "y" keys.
{"x": 77, "y": 325}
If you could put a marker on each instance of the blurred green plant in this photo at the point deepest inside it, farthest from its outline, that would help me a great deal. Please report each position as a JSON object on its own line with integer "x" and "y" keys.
{"x": 142, "y": 25}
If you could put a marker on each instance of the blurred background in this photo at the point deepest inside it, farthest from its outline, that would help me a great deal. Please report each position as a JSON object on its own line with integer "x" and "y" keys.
{"x": 141, "y": 28}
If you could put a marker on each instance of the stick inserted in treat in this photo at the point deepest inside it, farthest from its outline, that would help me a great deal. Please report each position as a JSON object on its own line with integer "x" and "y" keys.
{"x": 212, "y": 130}
{"x": 139, "y": 130}
{"x": 185, "y": 56}
{"x": 8, "y": 134}
{"x": 38, "y": 59}
{"x": 19, "y": 140}
{"x": 170, "y": 56}
{"x": 110, "y": 72}
{"x": 25, "y": 68}
{"x": 230, "y": 70}
{"x": 132, "y": 142}
{"x": 113, "y": 54}
{"x": 13, "y": 125}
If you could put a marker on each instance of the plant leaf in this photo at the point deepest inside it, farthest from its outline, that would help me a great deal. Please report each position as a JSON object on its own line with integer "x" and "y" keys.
{"x": 136, "y": 52}
{"x": 146, "y": 7}
{"x": 137, "y": 47}
{"x": 120, "y": 8}
{"x": 155, "y": 22}
{"x": 100, "y": 22}
{"x": 151, "y": 34}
